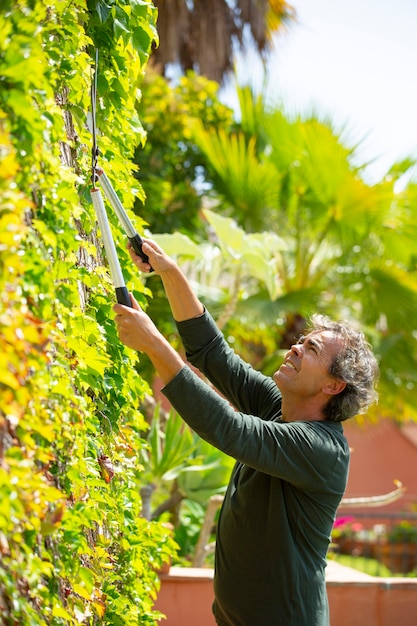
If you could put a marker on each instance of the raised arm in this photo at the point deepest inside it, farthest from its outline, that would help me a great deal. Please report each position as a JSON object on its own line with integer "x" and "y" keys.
{"x": 246, "y": 389}
{"x": 137, "y": 330}
{"x": 182, "y": 300}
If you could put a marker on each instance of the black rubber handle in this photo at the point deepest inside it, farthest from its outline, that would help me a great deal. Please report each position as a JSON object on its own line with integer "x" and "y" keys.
{"x": 136, "y": 243}
{"x": 123, "y": 296}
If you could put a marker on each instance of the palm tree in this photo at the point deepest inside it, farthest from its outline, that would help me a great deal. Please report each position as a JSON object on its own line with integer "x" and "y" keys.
{"x": 203, "y": 35}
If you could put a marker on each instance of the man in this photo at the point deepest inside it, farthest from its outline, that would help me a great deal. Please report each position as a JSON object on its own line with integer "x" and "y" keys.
{"x": 285, "y": 434}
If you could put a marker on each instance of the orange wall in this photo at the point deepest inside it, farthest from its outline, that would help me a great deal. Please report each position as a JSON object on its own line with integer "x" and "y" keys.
{"x": 186, "y": 597}
{"x": 381, "y": 453}
{"x": 381, "y": 603}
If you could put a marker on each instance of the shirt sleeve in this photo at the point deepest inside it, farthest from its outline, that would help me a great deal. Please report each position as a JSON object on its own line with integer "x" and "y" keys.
{"x": 306, "y": 454}
{"x": 247, "y": 389}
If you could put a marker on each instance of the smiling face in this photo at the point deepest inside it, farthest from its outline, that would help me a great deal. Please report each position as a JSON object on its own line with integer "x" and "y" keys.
{"x": 304, "y": 375}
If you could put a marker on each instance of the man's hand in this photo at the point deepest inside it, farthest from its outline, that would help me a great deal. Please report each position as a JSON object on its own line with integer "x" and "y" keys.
{"x": 183, "y": 302}
{"x": 135, "y": 328}
{"x": 158, "y": 259}
{"x": 137, "y": 331}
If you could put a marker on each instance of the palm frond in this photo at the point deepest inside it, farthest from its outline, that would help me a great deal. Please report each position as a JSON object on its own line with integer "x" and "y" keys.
{"x": 394, "y": 296}
{"x": 250, "y": 186}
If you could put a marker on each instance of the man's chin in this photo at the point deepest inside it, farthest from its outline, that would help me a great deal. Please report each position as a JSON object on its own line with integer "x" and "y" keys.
{"x": 277, "y": 377}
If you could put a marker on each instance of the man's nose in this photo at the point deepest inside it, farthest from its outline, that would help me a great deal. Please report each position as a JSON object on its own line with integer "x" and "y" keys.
{"x": 297, "y": 348}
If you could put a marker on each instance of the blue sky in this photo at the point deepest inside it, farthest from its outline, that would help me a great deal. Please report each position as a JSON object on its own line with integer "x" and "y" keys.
{"x": 356, "y": 61}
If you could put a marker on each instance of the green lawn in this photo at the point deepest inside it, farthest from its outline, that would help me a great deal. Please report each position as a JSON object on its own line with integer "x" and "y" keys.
{"x": 373, "y": 567}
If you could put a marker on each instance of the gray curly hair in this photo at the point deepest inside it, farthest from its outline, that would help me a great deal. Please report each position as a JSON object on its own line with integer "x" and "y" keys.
{"x": 355, "y": 364}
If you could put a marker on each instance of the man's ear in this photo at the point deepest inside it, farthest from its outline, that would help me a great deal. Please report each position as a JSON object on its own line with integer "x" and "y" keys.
{"x": 334, "y": 387}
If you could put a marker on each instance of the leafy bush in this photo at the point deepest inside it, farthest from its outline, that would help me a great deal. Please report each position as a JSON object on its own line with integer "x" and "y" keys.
{"x": 403, "y": 532}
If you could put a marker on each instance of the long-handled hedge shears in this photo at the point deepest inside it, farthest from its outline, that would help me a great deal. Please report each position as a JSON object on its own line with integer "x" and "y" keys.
{"x": 98, "y": 174}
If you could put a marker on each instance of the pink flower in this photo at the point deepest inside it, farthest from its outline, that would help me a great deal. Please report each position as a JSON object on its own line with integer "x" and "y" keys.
{"x": 342, "y": 521}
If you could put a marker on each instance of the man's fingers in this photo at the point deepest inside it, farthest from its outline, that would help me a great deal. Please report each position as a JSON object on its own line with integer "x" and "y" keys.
{"x": 136, "y": 258}
{"x": 121, "y": 311}
{"x": 134, "y": 302}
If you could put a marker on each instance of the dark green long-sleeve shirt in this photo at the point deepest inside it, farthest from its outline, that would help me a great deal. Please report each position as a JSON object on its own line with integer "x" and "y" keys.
{"x": 289, "y": 478}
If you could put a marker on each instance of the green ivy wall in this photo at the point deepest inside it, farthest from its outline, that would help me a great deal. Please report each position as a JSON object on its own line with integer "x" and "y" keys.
{"x": 73, "y": 546}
